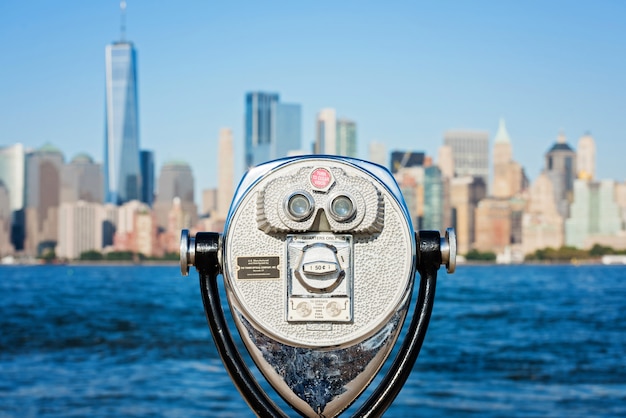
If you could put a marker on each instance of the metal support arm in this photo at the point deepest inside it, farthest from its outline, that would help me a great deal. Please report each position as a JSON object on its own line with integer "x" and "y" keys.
{"x": 430, "y": 257}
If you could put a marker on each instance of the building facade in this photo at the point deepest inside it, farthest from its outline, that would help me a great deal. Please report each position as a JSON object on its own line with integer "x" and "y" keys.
{"x": 122, "y": 169}
{"x": 560, "y": 166}
{"x": 542, "y": 224}
{"x": 470, "y": 153}
{"x": 80, "y": 229}
{"x": 411, "y": 183}
{"x": 6, "y": 248}
{"x": 346, "y": 138}
{"x": 175, "y": 182}
{"x": 326, "y": 132}
{"x": 81, "y": 179}
{"x": 434, "y": 202}
{"x": 594, "y": 215}
{"x": 12, "y": 174}
{"x": 225, "y": 172}
{"x": 465, "y": 193}
{"x": 586, "y": 157}
{"x": 508, "y": 175}
{"x": 147, "y": 177}
{"x": 43, "y": 196}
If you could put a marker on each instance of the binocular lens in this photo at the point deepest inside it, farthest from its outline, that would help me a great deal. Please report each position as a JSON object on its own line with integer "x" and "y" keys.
{"x": 299, "y": 206}
{"x": 342, "y": 208}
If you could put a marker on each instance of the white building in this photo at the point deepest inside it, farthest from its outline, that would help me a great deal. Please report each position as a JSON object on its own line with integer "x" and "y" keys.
{"x": 80, "y": 229}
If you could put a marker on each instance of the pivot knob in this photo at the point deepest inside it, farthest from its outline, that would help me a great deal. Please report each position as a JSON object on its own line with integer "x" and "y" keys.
{"x": 448, "y": 250}
{"x": 187, "y": 252}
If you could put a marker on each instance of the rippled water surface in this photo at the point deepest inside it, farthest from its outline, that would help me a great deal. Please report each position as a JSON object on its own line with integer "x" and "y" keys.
{"x": 133, "y": 341}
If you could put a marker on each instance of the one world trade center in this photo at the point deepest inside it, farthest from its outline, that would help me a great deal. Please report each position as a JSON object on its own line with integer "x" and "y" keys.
{"x": 122, "y": 169}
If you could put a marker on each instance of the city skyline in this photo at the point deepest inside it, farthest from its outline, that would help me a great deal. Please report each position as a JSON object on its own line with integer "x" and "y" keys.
{"x": 404, "y": 73}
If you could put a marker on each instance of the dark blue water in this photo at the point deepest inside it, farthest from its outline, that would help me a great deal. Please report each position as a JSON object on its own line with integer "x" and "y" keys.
{"x": 133, "y": 341}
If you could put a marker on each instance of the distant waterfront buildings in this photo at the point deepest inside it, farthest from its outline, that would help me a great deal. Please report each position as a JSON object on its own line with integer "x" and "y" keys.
{"x": 272, "y": 129}
{"x": 122, "y": 169}
{"x": 47, "y": 205}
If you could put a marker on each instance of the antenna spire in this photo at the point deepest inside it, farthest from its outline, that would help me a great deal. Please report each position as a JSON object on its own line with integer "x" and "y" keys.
{"x": 123, "y": 20}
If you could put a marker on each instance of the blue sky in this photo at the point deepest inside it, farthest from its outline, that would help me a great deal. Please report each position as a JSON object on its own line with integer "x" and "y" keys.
{"x": 404, "y": 71}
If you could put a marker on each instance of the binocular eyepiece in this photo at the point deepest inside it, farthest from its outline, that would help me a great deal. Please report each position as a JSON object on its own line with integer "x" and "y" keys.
{"x": 319, "y": 258}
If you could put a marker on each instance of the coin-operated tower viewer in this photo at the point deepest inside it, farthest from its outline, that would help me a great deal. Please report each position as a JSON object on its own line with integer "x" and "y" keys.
{"x": 319, "y": 259}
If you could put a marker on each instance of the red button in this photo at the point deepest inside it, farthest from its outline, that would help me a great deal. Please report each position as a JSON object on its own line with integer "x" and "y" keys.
{"x": 320, "y": 178}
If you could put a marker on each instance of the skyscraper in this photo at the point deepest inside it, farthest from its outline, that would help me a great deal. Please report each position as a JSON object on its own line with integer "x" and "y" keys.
{"x": 542, "y": 225}
{"x": 6, "y": 247}
{"x": 595, "y": 215}
{"x": 433, "y": 199}
{"x": 470, "y": 151}
{"x": 346, "y": 138}
{"x": 225, "y": 172}
{"x": 43, "y": 196}
{"x": 326, "y": 132}
{"x": 12, "y": 172}
{"x": 288, "y": 130}
{"x": 465, "y": 193}
{"x": 272, "y": 129}
{"x": 508, "y": 175}
{"x": 175, "y": 183}
{"x": 122, "y": 170}
{"x": 586, "y": 157}
{"x": 561, "y": 168}
{"x": 445, "y": 161}
{"x": 81, "y": 179}
{"x": 147, "y": 176}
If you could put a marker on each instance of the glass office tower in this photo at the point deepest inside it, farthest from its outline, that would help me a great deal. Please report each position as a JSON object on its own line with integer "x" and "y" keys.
{"x": 272, "y": 129}
{"x": 122, "y": 169}
{"x": 147, "y": 177}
